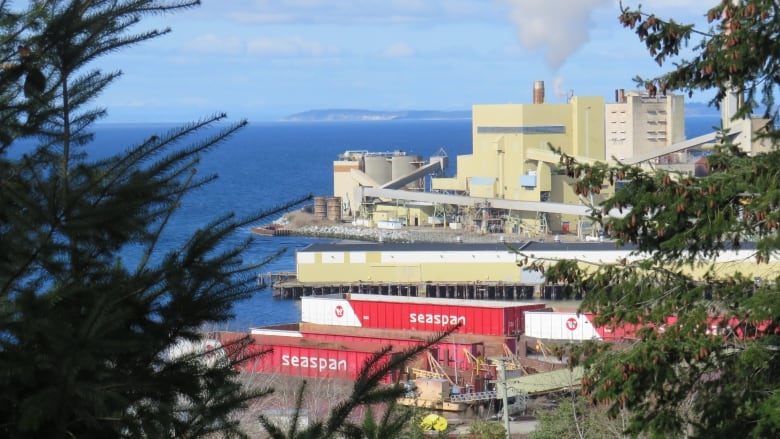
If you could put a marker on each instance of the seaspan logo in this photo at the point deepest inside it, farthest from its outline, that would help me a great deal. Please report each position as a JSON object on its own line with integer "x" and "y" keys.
{"x": 437, "y": 319}
{"x": 318, "y": 363}
{"x": 571, "y": 324}
{"x": 339, "y": 311}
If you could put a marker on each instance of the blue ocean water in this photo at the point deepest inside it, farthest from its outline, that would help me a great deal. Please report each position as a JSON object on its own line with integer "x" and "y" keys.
{"x": 266, "y": 164}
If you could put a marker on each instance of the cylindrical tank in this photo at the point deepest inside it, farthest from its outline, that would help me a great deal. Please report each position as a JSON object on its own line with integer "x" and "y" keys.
{"x": 378, "y": 168}
{"x": 320, "y": 208}
{"x": 334, "y": 208}
{"x": 538, "y": 92}
{"x": 402, "y": 165}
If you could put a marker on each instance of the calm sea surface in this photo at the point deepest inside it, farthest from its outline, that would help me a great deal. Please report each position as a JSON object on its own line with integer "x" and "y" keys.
{"x": 268, "y": 163}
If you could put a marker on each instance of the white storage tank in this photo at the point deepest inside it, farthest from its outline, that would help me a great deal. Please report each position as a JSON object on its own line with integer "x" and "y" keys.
{"x": 378, "y": 168}
{"x": 403, "y": 165}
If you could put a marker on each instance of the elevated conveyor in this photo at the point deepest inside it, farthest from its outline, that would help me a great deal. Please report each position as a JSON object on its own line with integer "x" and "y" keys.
{"x": 462, "y": 200}
{"x": 542, "y": 382}
{"x": 412, "y": 176}
{"x": 362, "y": 178}
{"x": 736, "y": 129}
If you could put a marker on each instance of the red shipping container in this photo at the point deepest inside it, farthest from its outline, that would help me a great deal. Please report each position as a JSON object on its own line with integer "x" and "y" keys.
{"x": 417, "y": 314}
{"x": 448, "y": 353}
{"x": 307, "y": 358}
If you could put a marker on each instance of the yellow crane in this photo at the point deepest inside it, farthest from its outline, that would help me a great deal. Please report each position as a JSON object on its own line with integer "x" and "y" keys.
{"x": 437, "y": 371}
{"x": 511, "y": 362}
{"x": 477, "y": 364}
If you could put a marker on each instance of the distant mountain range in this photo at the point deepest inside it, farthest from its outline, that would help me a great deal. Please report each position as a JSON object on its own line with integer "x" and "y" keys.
{"x": 348, "y": 115}
{"x": 357, "y": 115}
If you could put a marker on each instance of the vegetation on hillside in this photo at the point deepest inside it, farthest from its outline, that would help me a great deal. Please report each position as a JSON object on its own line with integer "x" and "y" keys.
{"x": 715, "y": 372}
{"x": 100, "y": 326}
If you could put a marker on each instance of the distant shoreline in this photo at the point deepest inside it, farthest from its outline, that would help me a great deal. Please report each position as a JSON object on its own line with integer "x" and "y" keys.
{"x": 360, "y": 115}
{"x": 355, "y": 115}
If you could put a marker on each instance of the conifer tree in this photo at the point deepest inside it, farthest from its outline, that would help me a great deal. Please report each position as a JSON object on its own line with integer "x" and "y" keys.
{"x": 87, "y": 338}
{"x": 707, "y": 364}
{"x": 101, "y": 329}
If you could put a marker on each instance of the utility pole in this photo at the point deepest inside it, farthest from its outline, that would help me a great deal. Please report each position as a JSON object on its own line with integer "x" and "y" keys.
{"x": 504, "y": 397}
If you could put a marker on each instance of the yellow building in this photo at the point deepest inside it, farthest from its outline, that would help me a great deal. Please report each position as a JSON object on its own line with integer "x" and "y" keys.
{"x": 511, "y": 157}
{"x": 502, "y": 165}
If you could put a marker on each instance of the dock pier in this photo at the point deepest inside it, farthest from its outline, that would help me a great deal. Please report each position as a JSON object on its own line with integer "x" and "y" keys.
{"x": 292, "y": 289}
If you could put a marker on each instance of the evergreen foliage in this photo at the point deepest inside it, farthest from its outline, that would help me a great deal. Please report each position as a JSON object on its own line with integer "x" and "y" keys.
{"x": 487, "y": 429}
{"x": 575, "y": 418}
{"x": 739, "y": 51}
{"x": 707, "y": 364}
{"x": 93, "y": 344}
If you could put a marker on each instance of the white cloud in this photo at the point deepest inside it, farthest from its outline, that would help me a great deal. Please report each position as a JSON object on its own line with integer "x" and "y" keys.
{"x": 260, "y": 18}
{"x": 558, "y": 88}
{"x": 214, "y": 44}
{"x": 350, "y": 11}
{"x": 398, "y": 50}
{"x": 408, "y": 5}
{"x": 289, "y": 47}
{"x": 558, "y": 28}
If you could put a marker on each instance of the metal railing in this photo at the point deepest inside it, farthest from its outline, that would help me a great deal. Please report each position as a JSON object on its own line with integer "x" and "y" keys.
{"x": 474, "y": 396}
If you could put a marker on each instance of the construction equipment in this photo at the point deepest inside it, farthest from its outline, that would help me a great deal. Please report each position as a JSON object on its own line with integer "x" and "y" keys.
{"x": 477, "y": 364}
{"x": 513, "y": 363}
{"x": 544, "y": 350}
{"x": 510, "y": 361}
{"x": 437, "y": 371}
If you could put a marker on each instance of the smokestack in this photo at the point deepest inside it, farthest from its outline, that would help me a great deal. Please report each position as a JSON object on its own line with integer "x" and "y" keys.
{"x": 620, "y": 96}
{"x": 538, "y": 92}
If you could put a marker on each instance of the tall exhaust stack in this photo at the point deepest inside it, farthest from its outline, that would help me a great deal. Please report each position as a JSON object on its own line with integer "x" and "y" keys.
{"x": 538, "y": 92}
{"x": 620, "y": 96}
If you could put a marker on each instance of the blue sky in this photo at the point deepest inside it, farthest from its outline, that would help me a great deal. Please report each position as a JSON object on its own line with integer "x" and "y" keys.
{"x": 265, "y": 59}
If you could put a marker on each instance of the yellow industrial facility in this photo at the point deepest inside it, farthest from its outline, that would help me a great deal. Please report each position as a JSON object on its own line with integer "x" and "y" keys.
{"x": 512, "y": 183}
{"x": 512, "y": 160}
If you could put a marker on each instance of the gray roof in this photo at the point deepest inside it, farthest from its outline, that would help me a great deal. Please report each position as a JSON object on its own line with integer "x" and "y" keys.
{"x": 527, "y": 246}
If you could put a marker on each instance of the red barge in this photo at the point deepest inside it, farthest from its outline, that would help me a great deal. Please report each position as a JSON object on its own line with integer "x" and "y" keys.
{"x": 338, "y": 333}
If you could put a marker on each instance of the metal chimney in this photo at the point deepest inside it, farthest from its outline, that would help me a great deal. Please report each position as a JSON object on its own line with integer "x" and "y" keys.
{"x": 620, "y": 96}
{"x": 538, "y": 92}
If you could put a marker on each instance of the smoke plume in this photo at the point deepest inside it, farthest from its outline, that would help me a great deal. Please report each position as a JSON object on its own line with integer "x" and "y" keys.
{"x": 558, "y": 27}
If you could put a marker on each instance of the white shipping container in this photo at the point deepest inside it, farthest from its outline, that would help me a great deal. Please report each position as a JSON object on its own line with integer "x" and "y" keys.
{"x": 559, "y": 326}
{"x": 331, "y": 311}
